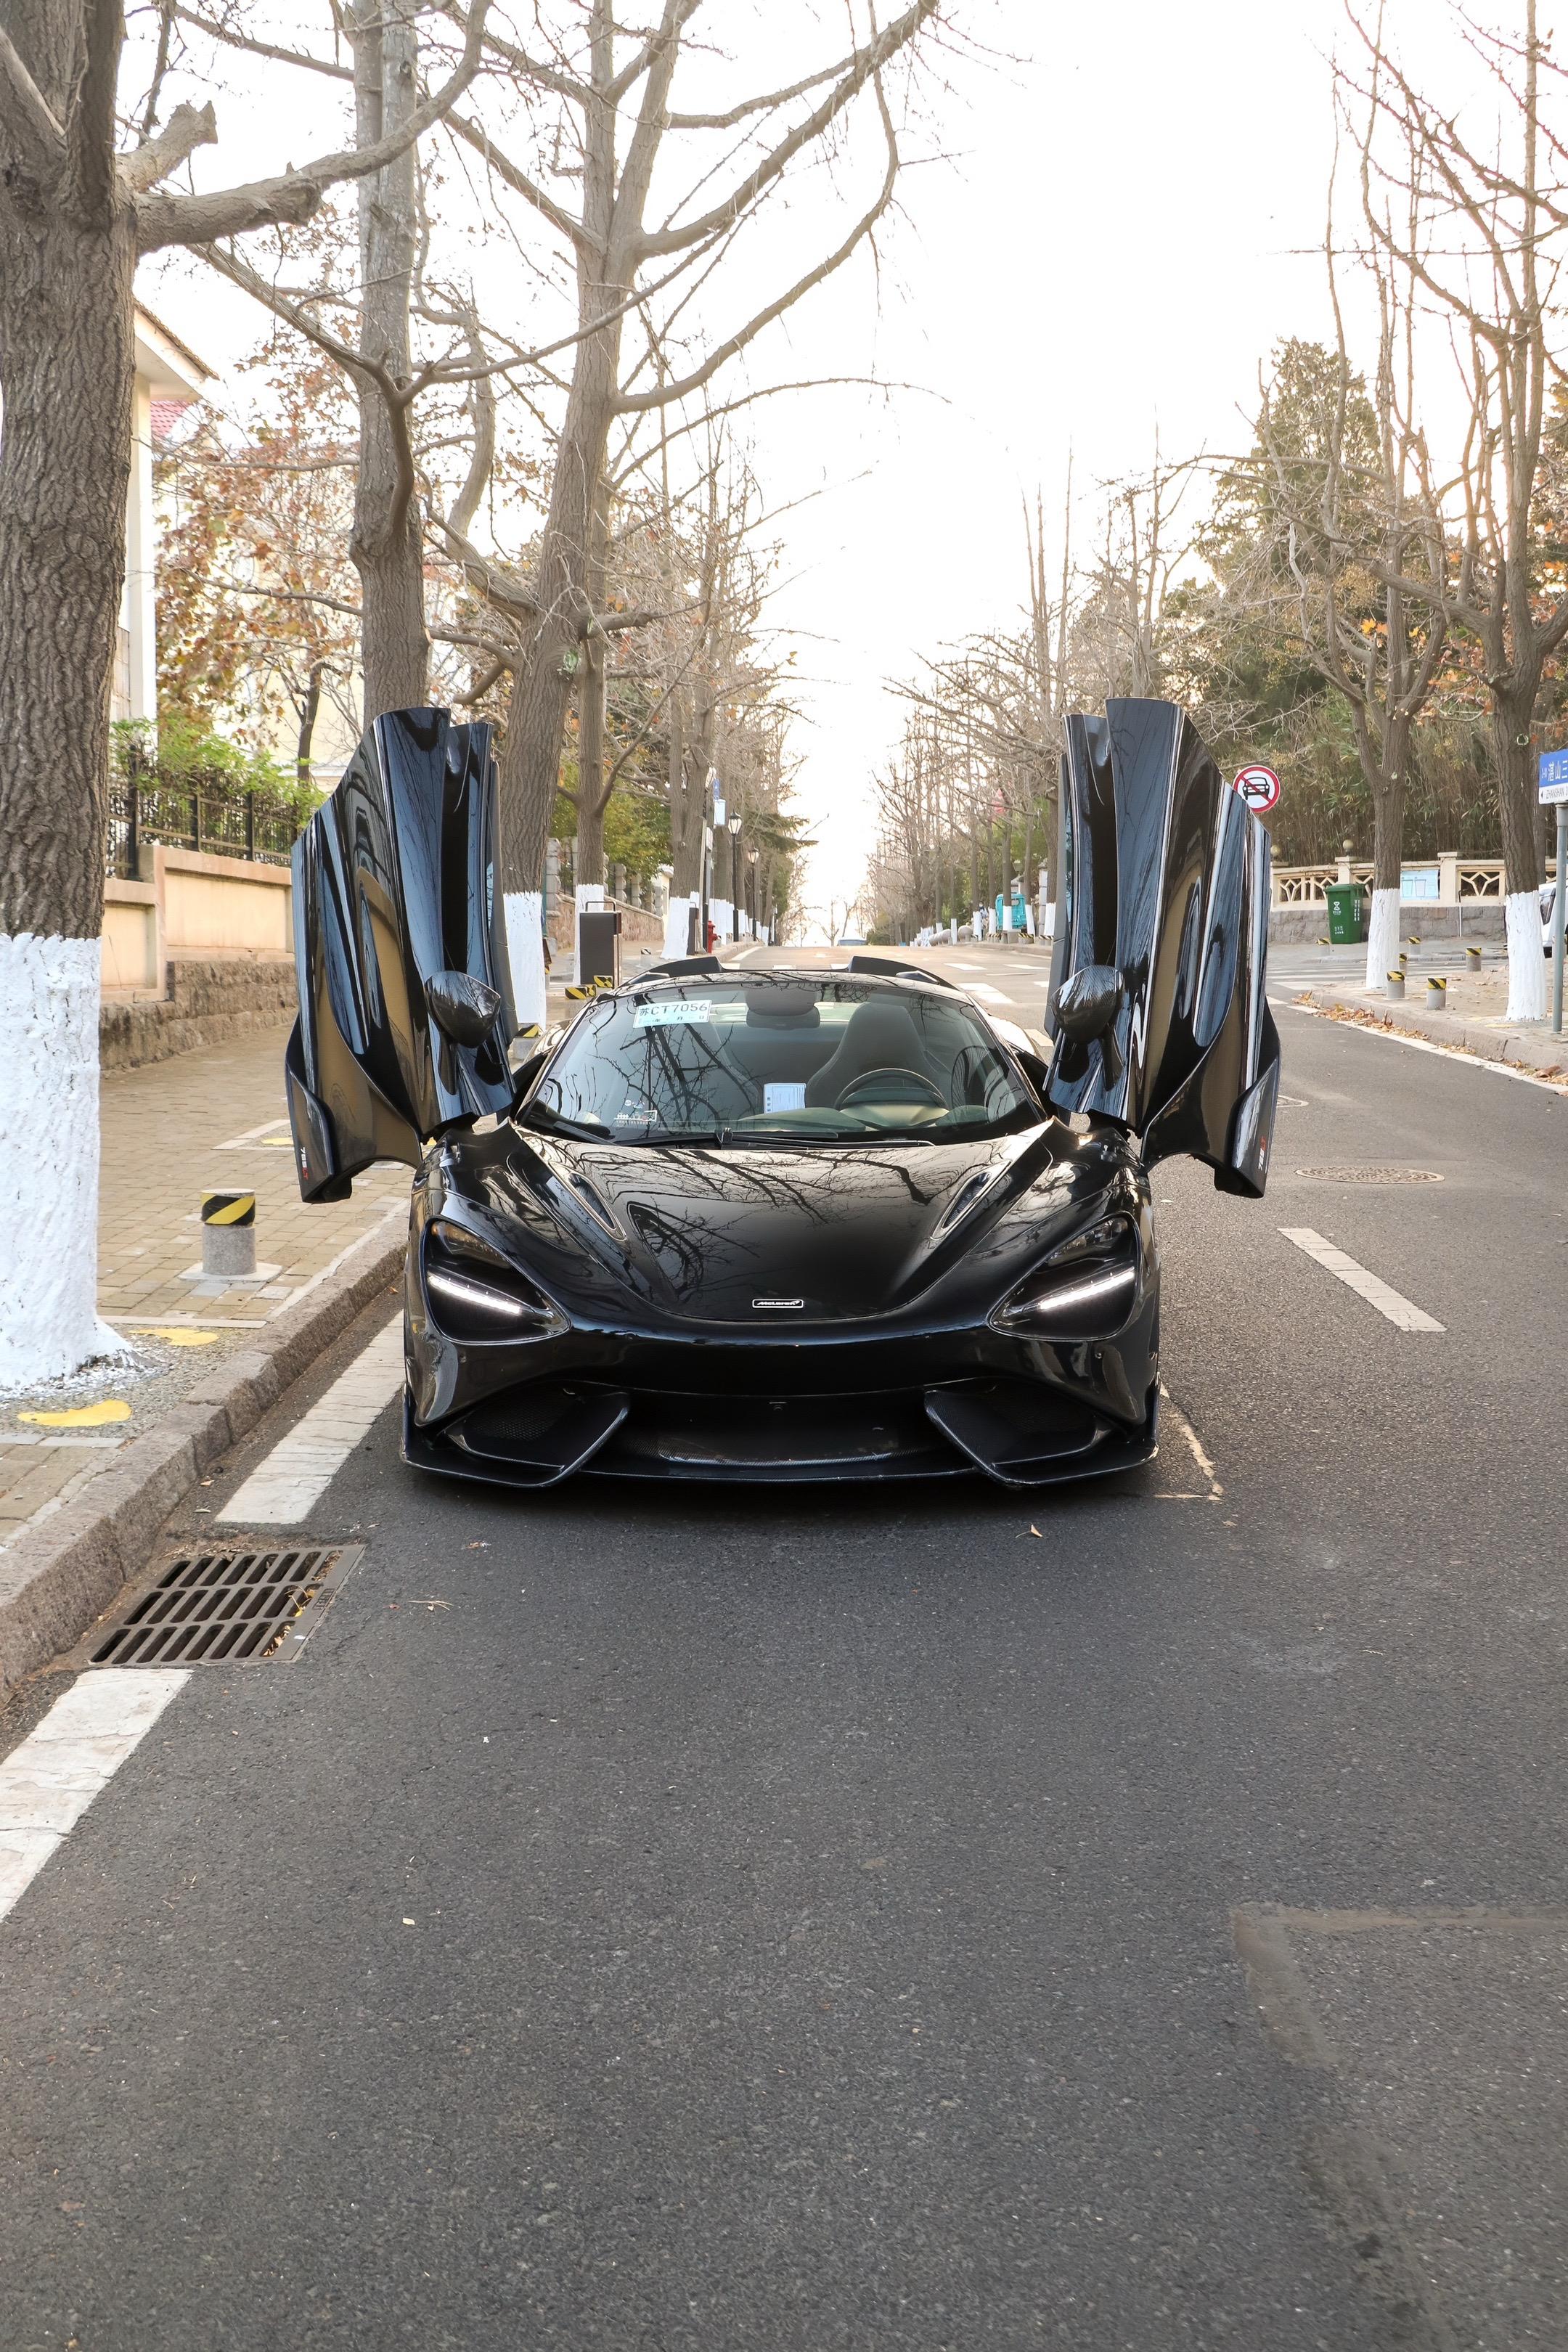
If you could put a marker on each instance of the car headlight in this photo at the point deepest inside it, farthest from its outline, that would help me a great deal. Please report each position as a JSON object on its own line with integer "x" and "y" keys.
{"x": 476, "y": 1293}
{"x": 1084, "y": 1290}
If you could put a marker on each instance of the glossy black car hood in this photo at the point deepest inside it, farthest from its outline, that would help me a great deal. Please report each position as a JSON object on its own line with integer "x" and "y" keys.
{"x": 707, "y": 1237}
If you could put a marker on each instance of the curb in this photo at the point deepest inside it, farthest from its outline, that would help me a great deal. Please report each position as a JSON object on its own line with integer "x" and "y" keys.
{"x": 1548, "y": 1059}
{"x": 55, "y": 1580}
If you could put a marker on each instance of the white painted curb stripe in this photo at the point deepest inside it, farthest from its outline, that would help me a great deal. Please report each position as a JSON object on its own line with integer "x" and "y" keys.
{"x": 1423, "y": 1045}
{"x": 48, "y": 1783}
{"x": 286, "y": 1487}
{"x": 1355, "y": 1278}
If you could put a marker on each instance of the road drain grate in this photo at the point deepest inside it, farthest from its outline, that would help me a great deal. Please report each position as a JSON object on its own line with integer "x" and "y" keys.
{"x": 217, "y": 1607}
{"x": 1371, "y": 1175}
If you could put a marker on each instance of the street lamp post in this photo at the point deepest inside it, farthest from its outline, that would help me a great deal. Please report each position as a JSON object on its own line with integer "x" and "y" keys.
{"x": 751, "y": 886}
{"x": 733, "y": 823}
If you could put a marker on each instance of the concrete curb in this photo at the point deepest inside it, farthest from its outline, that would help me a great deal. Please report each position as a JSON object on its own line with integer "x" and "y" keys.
{"x": 56, "y": 1578}
{"x": 1546, "y": 1056}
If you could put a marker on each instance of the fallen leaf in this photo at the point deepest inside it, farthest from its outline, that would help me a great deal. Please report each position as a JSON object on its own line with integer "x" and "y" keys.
{"x": 1034, "y": 1531}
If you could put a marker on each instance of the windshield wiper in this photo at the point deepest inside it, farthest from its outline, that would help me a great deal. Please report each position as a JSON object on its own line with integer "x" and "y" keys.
{"x": 589, "y": 1131}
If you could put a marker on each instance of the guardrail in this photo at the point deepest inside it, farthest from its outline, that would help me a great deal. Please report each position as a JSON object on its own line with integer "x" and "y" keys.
{"x": 1445, "y": 880}
{"x": 207, "y": 813}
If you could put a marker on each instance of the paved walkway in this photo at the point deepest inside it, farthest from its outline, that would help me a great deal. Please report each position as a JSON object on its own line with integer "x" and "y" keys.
{"x": 1472, "y": 1019}
{"x": 204, "y": 1121}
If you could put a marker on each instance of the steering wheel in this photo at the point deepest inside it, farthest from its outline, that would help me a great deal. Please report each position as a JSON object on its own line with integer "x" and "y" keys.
{"x": 890, "y": 1085}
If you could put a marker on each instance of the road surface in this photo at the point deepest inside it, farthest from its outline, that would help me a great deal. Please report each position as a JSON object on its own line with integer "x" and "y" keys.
{"x": 1131, "y": 1916}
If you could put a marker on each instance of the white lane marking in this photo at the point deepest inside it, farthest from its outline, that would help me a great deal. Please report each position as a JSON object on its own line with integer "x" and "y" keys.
{"x": 1355, "y": 1278}
{"x": 1418, "y": 1044}
{"x": 992, "y": 995}
{"x": 292, "y": 1478}
{"x": 1205, "y": 1468}
{"x": 48, "y": 1783}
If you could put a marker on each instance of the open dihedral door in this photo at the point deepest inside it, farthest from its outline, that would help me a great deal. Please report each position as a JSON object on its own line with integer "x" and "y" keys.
{"x": 404, "y": 1006}
{"x": 1162, "y": 946}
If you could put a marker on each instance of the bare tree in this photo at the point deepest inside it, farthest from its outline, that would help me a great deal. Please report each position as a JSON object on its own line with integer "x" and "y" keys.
{"x": 74, "y": 216}
{"x": 1482, "y": 236}
{"x": 624, "y": 262}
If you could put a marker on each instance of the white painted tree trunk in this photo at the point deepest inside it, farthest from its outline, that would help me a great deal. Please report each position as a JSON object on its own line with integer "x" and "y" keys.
{"x": 1526, "y": 962}
{"x": 525, "y": 954}
{"x": 1381, "y": 939}
{"x": 48, "y": 1160}
{"x": 722, "y": 918}
{"x": 678, "y": 922}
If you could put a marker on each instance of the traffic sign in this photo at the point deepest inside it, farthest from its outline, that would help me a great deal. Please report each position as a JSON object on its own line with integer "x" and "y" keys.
{"x": 1259, "y": 788}
{"x": 1553, "y": 784}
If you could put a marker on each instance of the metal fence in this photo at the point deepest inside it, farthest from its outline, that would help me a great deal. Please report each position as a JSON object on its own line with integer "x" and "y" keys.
{"x": 206, "y": 811}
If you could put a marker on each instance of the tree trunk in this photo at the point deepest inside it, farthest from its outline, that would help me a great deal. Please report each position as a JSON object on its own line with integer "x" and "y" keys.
{"x": 67, "y": 368}
{"x": 591, "y": 795}
{"x": 308, "y": 709}
{"x": 387, "y": 541}
{"x": 1513, "y": 712}
{"x": 591, "y": 682}
{"x": 536, "y": 716}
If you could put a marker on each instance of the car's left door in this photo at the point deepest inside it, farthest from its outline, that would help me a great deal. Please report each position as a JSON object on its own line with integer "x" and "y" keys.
{"x": 404, "y": 1004}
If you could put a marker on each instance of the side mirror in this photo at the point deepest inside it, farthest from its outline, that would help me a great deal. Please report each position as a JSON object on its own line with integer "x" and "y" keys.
{"x": 1087, "y": 1007}
{"x": 463, "y": 1009}
{"x": 1088, "y": 1002}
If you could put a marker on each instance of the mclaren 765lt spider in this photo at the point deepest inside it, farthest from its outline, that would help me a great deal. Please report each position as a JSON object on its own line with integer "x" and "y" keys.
{"x": 742, "y": 1223}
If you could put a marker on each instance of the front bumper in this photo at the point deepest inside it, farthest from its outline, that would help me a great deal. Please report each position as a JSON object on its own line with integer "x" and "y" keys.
{"x": 811, "y": 1411}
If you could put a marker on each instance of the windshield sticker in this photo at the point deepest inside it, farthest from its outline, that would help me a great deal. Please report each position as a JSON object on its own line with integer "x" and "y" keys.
{"x": 688, "y": 1014}
{"x": 782, "y": 1097}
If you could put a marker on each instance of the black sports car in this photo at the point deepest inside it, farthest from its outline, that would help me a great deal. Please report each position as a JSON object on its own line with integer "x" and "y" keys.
{"x": 738, "y": 1222}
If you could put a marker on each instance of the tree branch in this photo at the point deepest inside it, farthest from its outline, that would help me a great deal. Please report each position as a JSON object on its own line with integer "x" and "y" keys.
{"x": 518, "y": 182}
{"x": 188, "y": 127}
{"x": 293, "y": 196}
{"x": 26, "y": 112}
{"x": 232, "y": 40}
{"x": 865, "y": 63}
{"x": 632, "y": 403}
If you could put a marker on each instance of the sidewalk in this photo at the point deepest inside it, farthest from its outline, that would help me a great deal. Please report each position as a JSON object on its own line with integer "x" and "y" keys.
{"x": 211, "y": 1119}
{"x": 1472, "y": 1021}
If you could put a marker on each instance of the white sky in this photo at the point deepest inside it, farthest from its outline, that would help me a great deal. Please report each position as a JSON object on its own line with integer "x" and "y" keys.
{"x": 1130, "y": 216}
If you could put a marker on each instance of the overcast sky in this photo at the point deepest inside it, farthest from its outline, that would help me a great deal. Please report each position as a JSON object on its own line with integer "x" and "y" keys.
{"x": 1130, "y": 213}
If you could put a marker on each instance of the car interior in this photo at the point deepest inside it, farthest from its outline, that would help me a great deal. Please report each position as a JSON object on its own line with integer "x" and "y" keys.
{"x": 780, "y": 1057}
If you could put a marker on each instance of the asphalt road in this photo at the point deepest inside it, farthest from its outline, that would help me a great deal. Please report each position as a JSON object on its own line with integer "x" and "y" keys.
{"x": 689, "y": 1924}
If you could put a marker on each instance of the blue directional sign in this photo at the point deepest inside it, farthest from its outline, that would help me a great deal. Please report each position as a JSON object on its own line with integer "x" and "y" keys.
{"x": 1553, "y": 785}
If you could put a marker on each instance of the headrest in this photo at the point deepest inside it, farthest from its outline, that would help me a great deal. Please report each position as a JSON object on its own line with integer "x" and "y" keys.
{"x": 782, "y": 1008}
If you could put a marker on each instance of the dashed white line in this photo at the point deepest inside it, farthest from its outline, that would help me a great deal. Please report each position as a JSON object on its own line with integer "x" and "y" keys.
{"x": 1389, "y": 1302}
{"x": 48, "y": 1783}
{"x": 300, "y": 1468}
{"x": 991, "y": 995}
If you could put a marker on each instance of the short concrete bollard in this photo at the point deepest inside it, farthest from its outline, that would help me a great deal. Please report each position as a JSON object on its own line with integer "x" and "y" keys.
{"x": 1437, "y": 994}
{"x": 1472, "y": 959}
{"x": 1394, "y": 984}
{"x": 229, "y": 1233}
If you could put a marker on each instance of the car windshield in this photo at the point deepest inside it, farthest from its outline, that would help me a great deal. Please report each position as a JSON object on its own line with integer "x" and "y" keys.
{"x": 808, "y": 1060}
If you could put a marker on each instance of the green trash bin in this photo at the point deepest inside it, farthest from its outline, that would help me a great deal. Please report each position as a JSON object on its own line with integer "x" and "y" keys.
{"x": 1347, "y": 914}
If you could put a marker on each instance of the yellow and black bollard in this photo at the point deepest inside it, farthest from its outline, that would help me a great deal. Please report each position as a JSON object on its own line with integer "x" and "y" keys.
{"x": 1393, "y": 985}
{"x": 229, "y": 1233}
{"x": 1437, "y": 993}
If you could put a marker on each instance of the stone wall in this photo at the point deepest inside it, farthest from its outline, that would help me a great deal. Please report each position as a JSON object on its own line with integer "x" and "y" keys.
{"x": 1421, "y": 919}
{"x": 207, "y": 1000}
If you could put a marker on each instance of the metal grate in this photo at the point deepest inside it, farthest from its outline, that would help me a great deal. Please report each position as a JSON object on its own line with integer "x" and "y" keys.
{"x": 1371, "y": 1175}
{"x": 217, "y": 1607}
